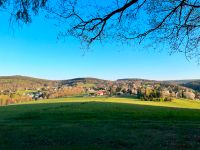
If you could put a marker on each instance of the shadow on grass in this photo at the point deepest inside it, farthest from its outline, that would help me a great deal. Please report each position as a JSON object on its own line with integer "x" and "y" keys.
{"x": 97, "y": 111}
{"x": 98, "y": 125}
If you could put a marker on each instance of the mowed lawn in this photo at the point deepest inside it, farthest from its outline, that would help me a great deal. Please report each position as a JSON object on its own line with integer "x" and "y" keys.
{"x": 100, "y": 123}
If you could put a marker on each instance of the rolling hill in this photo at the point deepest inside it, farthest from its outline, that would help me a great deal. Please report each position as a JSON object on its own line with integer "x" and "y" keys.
{"x": 193, "y": 83}
{"x": 77, "y": 81}
{"x": 23, "y": 82}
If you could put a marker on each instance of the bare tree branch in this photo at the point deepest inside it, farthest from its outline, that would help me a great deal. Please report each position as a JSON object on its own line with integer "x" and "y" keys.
{"x": 175, "y": 22}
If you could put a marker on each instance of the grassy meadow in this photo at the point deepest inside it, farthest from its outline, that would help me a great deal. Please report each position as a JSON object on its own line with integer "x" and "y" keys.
{"x": 101, "y": 123}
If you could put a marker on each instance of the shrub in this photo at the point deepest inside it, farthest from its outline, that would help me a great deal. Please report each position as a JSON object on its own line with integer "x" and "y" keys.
{"x": 4, "y": 100}
{"x": 168, "y": 99}
{"x": 189, "y": 95}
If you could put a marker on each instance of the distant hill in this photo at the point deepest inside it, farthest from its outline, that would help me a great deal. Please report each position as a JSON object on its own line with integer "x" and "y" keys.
{"x": 181, "y": 81}
{"x": 193, "y": 83}
{"x": 85, "y": 82}
{"x": 136, "y": 80}
{"x": 23, "y": 82}
{"x": 133, "y": 79}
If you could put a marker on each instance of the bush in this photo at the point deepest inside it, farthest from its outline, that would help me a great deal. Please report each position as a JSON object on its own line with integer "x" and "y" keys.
{"x": 4, "y": 100}
{"x": 189, "y": 95}
{"x": 166, "y": 99}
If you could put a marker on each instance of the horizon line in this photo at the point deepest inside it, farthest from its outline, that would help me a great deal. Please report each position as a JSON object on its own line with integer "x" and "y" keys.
{"x": 129, "y": 78}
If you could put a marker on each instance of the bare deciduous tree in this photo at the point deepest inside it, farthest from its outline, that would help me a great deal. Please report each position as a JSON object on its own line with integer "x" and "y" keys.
{"x": 174, "y": 22}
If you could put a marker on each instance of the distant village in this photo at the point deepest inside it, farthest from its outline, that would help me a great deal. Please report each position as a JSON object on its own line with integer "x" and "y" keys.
{"x": 145, "y": 90}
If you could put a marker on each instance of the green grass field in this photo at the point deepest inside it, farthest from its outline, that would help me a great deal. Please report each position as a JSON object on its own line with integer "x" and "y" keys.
{"x": 100, "y": 123}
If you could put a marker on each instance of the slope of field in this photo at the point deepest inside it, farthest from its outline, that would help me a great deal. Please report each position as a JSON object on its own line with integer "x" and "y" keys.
{"x": 101, "y": 123}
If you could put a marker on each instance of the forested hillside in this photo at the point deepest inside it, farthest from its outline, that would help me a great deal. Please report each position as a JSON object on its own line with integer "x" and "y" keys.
{"x": 195, "y": 85}
{"x": 21, "y": 83}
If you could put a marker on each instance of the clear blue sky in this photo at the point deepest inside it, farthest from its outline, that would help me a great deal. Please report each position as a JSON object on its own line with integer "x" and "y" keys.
{"x": 35, "y": 51}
